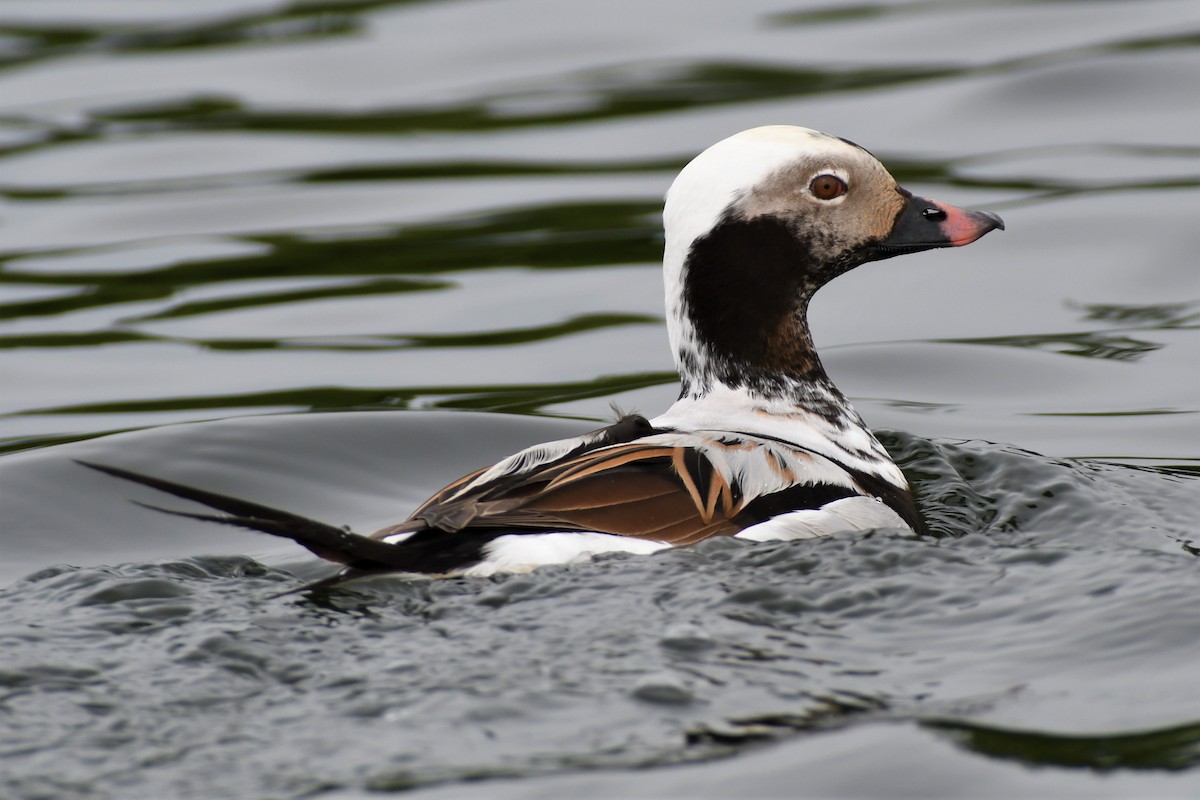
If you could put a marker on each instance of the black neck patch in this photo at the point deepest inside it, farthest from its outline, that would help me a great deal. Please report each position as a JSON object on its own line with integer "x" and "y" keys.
{"x": 746, "y": 289}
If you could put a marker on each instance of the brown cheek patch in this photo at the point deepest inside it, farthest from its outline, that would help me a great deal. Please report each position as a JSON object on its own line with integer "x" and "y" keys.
{"x": 873, "y": 203}
{"x": 885, "y": 212}
{"x": 778, "y": 194}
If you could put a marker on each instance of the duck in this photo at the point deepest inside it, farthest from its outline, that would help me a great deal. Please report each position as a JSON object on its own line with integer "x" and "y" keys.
{"x": 760, "y": 444}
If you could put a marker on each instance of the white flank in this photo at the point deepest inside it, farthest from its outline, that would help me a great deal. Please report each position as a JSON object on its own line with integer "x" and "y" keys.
{"x": 525, "y": 551}
{"x": 847, "y": 514}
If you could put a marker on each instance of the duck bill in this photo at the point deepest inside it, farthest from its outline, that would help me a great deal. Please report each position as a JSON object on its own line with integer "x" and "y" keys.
{"x": 925, "y": 224}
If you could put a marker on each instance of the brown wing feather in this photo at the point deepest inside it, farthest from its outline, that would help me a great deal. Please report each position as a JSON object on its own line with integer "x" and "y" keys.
{"x": 641, "y": 490}
{"x": 606, "y": 491}
{"x": 443, "y": 494}
{"x": 592, "y": 463}
{"x": 687, "y": 533}
{"x": 631, "y": 512}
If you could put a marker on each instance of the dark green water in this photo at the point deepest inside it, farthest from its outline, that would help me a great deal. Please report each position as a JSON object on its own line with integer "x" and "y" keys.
{"x": 235, "y": 214}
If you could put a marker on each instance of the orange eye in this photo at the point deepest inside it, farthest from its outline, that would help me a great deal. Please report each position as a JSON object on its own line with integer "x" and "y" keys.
{"x": 827, "y": 187}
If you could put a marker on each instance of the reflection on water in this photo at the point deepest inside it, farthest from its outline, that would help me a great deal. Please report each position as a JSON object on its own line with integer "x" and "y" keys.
{"x": 1116, "y": 344}
{"x": 576, "y": 235}
{"x": 1169, "y": 748}
{"x": 1162, "y": 315}
{"x": 512, "y": 398}
{"x": 172, "y": 199}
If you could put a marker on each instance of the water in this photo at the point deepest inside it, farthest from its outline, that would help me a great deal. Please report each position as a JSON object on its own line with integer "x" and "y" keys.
{"x": 235, "y": 215}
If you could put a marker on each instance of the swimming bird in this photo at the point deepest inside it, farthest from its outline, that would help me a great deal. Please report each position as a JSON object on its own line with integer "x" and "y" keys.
{"x": 759, "y": 445}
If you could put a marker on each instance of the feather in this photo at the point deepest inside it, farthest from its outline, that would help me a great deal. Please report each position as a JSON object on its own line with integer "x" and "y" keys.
{"x": 327, "y": 541}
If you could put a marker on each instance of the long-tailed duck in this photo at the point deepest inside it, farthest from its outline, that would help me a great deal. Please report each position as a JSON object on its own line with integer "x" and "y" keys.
{"x": 760, "y": 444}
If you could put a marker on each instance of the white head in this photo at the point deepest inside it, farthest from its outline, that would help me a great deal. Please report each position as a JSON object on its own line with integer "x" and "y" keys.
{"x": 730, "y": 170}
{"x": 756, "y": 224}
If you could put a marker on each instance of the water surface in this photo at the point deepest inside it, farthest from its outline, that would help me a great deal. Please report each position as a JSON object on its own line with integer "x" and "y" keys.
{"x": 332, "y": 255}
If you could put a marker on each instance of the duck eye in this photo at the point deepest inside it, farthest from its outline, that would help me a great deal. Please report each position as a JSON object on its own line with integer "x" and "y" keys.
{"x": 827, "y": 187}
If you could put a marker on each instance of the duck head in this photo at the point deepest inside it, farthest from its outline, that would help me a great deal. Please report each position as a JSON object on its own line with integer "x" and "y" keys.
{"x": 757, "y": 223}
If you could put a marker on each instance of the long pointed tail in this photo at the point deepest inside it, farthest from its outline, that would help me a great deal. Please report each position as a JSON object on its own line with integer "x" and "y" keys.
{"x": 357, "y": 552}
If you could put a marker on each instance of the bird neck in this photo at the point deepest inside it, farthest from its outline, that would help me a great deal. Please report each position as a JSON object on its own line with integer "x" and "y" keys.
{"x": 738, "y": 312}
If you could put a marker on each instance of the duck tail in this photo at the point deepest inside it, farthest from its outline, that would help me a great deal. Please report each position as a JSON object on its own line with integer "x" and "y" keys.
{"x": 361, "y": 554}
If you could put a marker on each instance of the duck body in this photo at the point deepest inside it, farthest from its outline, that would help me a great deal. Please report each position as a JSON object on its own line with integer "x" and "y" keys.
{"x": 759, "y": 445}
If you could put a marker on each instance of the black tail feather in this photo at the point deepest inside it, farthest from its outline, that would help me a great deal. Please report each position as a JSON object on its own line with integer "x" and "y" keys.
{"x": 263, "y": 525}
{"x": 327, "y": 541}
